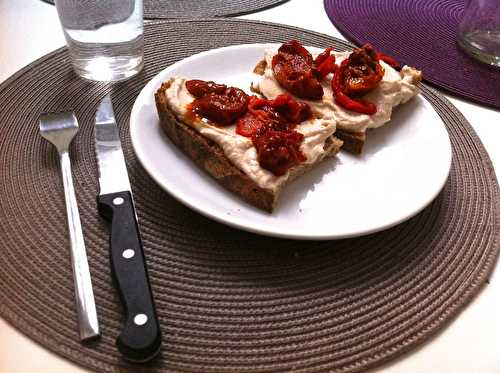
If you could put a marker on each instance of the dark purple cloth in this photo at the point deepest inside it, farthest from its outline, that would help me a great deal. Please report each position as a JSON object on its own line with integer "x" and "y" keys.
{"x": 419, "y": 33}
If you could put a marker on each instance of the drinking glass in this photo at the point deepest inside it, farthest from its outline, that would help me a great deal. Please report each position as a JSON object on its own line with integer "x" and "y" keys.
{"x": 479, "y": 30}
{"x": 104, "y": 37}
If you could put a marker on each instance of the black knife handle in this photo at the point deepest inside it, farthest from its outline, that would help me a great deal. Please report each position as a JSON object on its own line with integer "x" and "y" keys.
{"x": 141, "y": 337}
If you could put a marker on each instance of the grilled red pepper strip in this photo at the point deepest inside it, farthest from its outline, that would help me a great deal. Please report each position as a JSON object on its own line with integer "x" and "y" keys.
{"x": 325, "y": 64}
{"x": 322, "y": 56}
{"x": 345, "y": 101}
{"x": 326, "y": 67}
{"x": 388, "y": 60}
{"x": 358, "y": 106}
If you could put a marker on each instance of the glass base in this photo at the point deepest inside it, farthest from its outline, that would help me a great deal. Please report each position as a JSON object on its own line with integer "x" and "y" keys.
{"x": 108, "y": 69}
{"x": 479, "y": 46}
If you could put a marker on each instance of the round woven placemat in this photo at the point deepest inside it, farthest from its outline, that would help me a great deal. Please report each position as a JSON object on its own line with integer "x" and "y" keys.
{"x": 420, "y": 33}
{"x": 228, "y": 300}
{"x": 157, "y": 9}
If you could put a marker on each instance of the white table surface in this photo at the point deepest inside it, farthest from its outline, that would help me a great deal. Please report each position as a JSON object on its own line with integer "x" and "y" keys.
{"x": 29, "y": 29}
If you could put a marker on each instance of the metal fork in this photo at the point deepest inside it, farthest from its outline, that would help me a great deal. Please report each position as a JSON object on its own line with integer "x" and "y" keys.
{"x": 59, "y": 129}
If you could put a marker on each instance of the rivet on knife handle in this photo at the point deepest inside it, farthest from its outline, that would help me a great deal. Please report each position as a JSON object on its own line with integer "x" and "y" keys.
{"x": 141, "y": 338}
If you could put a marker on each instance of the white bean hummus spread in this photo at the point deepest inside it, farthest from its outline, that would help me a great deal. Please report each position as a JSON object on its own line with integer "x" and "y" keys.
{"x": 396, "y": 87}
{"x": 239, "y": 149}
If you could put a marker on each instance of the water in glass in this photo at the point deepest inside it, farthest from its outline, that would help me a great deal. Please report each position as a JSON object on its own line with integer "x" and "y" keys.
{"x": 104, "y": 37}
{"x": 479, "y": 30}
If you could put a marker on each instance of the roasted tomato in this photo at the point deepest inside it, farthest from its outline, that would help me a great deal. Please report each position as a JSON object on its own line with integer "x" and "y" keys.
{"x": 200, "y": 88}
{"x": 281, "y": 114}
{"x": 363, "y": 72}
{"x": 263, "y": 109}
{"x": 294, "y": 111}
{"x": 324, "y": 64}
{"x": 260, "y": 114}
{"x": 360, "y": 73}
{"x": 293, "y": 69}
{"x": 341, "y": 98}
{"x": 294, "y": 48}
{"x": 248, "y": 124}
{"x": 270, "y": 124}
{"x": 278, "y": 151}
{"x": 322, "y": 57}
{"x": 217, "y": 102}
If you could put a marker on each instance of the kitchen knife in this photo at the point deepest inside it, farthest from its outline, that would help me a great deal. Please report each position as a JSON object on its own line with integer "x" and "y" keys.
{"x": 140, "y": 339}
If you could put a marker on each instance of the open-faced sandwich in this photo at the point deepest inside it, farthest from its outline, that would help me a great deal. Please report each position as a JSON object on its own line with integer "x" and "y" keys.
{"x": 357, "y": 90}
{"x": 250, "y": 145}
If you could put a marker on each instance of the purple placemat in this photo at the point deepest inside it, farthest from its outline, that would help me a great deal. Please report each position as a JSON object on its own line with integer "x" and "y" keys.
{"x": 420, "y": 33}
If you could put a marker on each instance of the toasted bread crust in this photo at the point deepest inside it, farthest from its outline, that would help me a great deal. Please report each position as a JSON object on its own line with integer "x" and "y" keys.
{"x": 353, "y": 141}
{"x": 210, "y": 157}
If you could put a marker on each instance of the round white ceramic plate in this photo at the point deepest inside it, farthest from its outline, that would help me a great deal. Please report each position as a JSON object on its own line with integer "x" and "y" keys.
{"x": 403, "y": 167}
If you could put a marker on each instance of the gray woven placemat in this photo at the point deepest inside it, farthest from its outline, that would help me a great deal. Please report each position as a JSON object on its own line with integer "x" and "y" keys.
{"x": 228, "y": 300}
{"x": 157, "y": 9}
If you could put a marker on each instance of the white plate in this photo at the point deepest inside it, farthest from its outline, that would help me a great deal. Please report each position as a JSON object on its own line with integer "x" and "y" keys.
{"x": 403, "y": 167}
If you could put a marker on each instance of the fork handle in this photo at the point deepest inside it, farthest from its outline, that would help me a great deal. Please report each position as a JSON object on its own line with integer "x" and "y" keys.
{"x": 84, "y": 295}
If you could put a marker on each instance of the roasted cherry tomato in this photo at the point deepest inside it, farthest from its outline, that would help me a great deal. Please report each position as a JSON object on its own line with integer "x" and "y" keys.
{"x": 281, "y": 114}
{"x": 270, "y": 124}
{"x": 248, "y": 124}
{"x": 278, "y": 151}
{"x": 292, "y": 68}
{"x": 360, "y": 73}
{"x": 216, "y": 102}
{"x": 363, "y": 72}
{"x": 294, "y": 111}
{"x": 294, "y": 48}
{"x": 324, "y": 64}
{"x": 200, "y": 88}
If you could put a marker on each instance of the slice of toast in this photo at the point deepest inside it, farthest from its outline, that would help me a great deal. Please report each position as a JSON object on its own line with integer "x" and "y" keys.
{"x": 209, "y": 156}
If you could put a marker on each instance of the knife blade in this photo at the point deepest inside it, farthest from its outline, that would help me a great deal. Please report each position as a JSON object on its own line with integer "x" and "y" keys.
{"x": 140, "y": 339}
